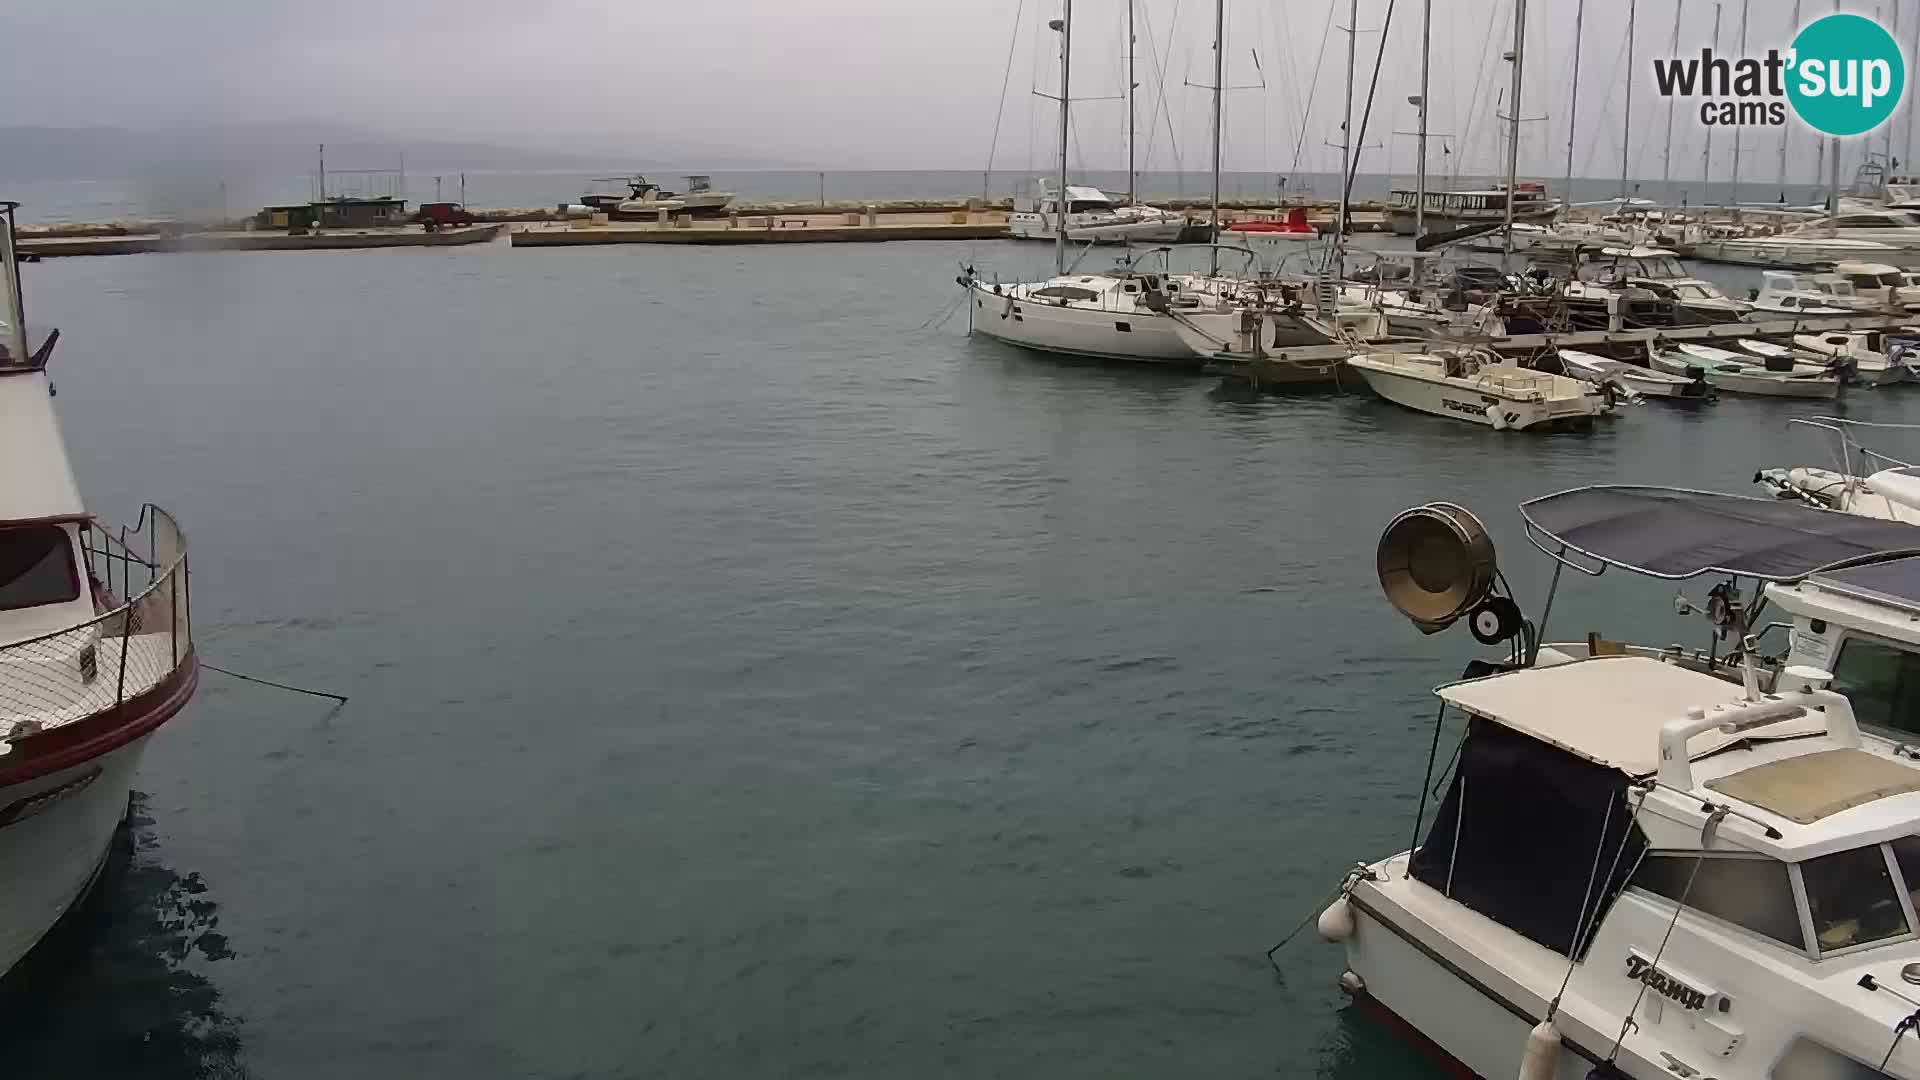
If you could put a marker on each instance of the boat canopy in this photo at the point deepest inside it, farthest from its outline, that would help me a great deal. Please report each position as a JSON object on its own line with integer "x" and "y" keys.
{"x": 1609, "y": 709}
{"x": 1895, "y": 582}
{"x": 1675, "y": 534}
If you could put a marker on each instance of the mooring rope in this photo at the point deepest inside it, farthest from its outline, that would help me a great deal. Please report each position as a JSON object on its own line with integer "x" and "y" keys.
{"x": 341, "y": 698}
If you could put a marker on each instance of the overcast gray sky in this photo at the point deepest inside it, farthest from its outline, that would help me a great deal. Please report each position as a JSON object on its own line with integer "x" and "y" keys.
{"x": 877, "y": 83}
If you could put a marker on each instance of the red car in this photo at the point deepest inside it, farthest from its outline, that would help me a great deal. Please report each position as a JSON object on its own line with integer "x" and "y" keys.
{"x": 436, "y": 214}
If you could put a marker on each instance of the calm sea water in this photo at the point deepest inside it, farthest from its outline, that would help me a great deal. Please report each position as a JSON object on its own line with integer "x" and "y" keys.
{"x": 194, "y": 196}
{"x": 753, "y": 675}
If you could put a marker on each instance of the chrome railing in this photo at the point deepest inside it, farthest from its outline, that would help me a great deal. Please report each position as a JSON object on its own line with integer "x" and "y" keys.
{"x": 144, "y": 636}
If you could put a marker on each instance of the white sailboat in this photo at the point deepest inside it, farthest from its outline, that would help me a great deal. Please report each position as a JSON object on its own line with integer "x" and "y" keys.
{"x": 96, "y": 647}
{"x": 1130, "y": 315}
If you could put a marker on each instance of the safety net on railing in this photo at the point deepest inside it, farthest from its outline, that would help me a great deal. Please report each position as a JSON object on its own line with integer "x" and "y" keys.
{"x": 139, "y": 582}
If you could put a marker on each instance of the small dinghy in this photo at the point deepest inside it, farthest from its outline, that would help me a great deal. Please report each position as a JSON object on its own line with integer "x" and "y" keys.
{"x": 1634, "y": 381}
{"x": 1744, "y": 373}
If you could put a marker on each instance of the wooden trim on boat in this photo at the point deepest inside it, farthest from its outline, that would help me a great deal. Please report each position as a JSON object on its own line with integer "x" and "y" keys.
{"x": 67, "y": 745}
{"x": 1464, "y": 976}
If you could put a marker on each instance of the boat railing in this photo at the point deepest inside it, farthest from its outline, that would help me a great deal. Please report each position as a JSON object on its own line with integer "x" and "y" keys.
{"x": 146, "y": 635}
{"x": 1842, "y": 430}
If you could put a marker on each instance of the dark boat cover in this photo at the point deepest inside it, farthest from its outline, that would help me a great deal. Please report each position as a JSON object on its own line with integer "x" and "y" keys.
{"x": 1532, "y": 837}
{"x": 1671, "y": 533}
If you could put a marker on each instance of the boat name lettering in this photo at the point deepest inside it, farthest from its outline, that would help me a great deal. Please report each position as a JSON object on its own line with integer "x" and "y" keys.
{"x": 1471, "y": 408}
{"x": 1664, "y": 983}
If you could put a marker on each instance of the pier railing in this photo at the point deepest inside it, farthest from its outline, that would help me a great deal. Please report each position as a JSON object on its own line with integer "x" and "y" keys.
{"x": 144, "y": 634}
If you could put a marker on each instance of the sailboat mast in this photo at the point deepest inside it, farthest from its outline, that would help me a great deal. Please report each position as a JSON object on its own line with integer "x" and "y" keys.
{"x": 1626, "y": 127}
{"x": 1131, "y": 84}
{"x": 1513, "y": 121}
{"x": 1886, "y": 145}
{"x": 1346, "y": 149}
{"x": 1219, "y": 94}
{"x": 1666, "y": 156}
{"x": 1915, "y": 52}
{"x": 1060, "y": 197}
{"x": 1573, "y": 103}
{"x": 1706, "y": 155}
{"x": 1420, "y": 175}
{"x": 1735, "y": 197}
{"x": 1786, "y": 132}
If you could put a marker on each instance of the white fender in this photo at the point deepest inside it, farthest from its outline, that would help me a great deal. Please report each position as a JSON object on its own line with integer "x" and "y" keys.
{"x": 1542, "y": 1059}
{"x": 1495, "y": 418}
{"x": 1336, "y": 923}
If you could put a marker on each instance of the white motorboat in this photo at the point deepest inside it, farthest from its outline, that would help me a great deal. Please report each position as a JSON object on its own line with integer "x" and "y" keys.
{"x": 1658, "y": 271}
{"x": 1479, "y": 387}
{"x": 1799, "y": 251}
{"x": 1863, "y": 221}
{"x": 1641, "y": 870}
{"x": 646, "y": 199}
{"x": 1886, "y": 287}
{"x": 1742, "y": 373}
{"x": 1093, "y": 218}
{"x": 1861, "y": 352}
{"x": 1789, "y": 293}
{"x": 96, "y": 648}
{"x": 1635, "y": 381}
{"x": 1866, "y": 484}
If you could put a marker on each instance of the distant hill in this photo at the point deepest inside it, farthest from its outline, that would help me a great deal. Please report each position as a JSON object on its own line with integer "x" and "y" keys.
{"x": 98, "y": 153}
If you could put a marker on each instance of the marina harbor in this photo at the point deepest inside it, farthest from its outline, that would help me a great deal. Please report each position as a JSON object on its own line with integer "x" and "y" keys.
{"x": 1078, "y": 538}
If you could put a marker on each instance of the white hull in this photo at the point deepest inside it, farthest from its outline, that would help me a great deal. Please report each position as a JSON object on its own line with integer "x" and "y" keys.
{"x": 1743, "y": 377}
{"x": 1476, "y": 401}
{"x": 51, "y": 854}
{"x": 1040, "y": 227}
{"x": 1782, "y": 252}
{"x": 1140, "y": 336}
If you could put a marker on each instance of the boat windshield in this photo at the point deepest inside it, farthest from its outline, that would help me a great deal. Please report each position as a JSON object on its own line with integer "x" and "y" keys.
{"x": 1893, "y": 279}
{"x": 1692, "y": 292}
{"x": 1853, "y": 899}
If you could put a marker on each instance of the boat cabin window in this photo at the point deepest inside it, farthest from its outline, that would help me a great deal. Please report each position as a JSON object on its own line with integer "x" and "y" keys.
{"x": 1081, "y": 206}
{"x": 1892, "y": 278}
{"x": 1883, "y": 683}
{"x": 1808, "y": 1060}
{"x": 1867, "y": 221}
{"x": 1064, "y": 292}
{"x": 1754, "y": 892}
{"x": 1692, "y": 292}
{"x": 36, "y": 567}
{"x": 1852, "y": 898}
{"x": 1864, "y": 281}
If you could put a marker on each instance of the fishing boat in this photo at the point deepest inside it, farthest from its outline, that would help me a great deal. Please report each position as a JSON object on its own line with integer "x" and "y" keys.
{"x": 1633, "y": 381}
{"x": 96, "y": 648}
{"x": 1642, "y": 869}
{"x": 1272, "y": 235}
{"x": 1744, "y": 373}
{"x": 1478, "y": 386}
{"x": 1092, "y": 218}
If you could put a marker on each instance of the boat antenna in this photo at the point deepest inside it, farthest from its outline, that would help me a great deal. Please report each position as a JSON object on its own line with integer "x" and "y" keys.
{"x": 1065, "y": 26}
{"x": 1513, "y": 120}
{"x": 1666, "y": 156}
{"x": 1219, "y": 93}
{"x": 1626, "y": 126}
{"x": 1573, "y": 104}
